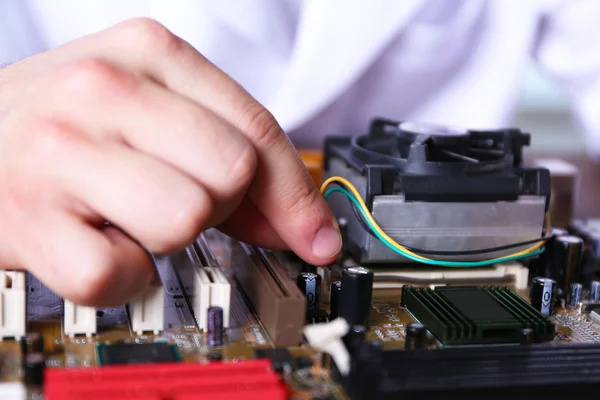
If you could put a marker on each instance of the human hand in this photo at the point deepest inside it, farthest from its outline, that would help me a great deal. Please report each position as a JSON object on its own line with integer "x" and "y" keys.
{"x": 134, "y": 127}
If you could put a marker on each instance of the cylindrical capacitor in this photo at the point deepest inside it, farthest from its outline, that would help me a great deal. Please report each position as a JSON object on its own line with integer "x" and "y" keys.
{"x": 357, "y": 290}
{"x": 415, "y": 336}
{"x": 543, "y": 295}
{"x": 575, "y": 295}
{"x": 310, "y": 285}
{"x": 355, "y": 336}
{"x": 594, "y": 294}
{"x": 34, "y": 366}
{"x": 527, "y": 336}
{"x": 565, "y": 259}
{"x": 32, "y": 342}
{"x": 334, "y": 303}
{"x": 214, "y": 322}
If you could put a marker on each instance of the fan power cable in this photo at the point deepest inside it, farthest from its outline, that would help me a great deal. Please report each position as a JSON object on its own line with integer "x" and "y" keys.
{"x": 352, "y": 194}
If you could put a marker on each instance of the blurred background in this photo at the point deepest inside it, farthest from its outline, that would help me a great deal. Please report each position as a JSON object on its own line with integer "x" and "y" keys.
{"x": 544, "y": 112}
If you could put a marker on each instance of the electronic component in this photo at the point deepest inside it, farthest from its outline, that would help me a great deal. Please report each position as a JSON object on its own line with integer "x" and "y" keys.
{"x": 34, "y": 366}
{"x": 12, "y": 304}
{"x": 594, "y": 293}
{"x": 310, "y": 285}
{"x": 334, "y": 302}
{"x": 147, "y": 310}
{"x": 543, "y": 295}
{"x": 475, "y": 315}
{"x": 527, "y": 336}
{"x": 357, "y": 289}
{"x": 79, "y": 320}
{"x": 214, "y": 332}
{"x": 415, "y": 336}
{"x": 244, "y": 379}
{"x": 214, "y": 356}
{"x": 575, "y": 295}
{"x": 595, "y": 316}
{"x": 565, "y": 260}
{"x": 210, "y": 286}
{"x": 281, "y": 359}
{"x": 439, "y": 189}
{"x": 136, "y": 353}
{"x": 276, "y": 298}
{"x": 355, "y": 336}
{"x": 32, "y": 342}
{"x": 474, "y": 372}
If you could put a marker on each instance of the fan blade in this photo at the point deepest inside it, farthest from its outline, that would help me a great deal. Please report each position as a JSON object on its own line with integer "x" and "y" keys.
{"x": 458, "y": 156}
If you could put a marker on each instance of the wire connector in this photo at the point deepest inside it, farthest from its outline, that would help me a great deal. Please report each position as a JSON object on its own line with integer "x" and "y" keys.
{"x": 12, "y": 304}
{"x": 147, "y": 311}
{"x": 79, "y": 320}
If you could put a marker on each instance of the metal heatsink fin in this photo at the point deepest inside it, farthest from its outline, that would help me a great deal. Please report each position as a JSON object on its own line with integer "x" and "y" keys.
{"x": 476, "y": 315}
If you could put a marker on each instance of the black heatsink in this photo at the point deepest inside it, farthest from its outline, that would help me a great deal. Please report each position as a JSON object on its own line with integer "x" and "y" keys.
{"x": 514, "y": 372}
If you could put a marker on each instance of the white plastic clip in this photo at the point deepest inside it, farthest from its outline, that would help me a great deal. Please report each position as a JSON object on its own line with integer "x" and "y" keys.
{"x": 12, "y": 304}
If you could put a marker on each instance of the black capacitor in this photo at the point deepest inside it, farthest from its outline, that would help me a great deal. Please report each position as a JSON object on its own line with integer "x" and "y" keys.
{"x": 215, "y": 356}
{"x": 310, "y": 285}
{"x": 415, "y": 336}
{"x": 565, "y": 261}
{"x": 594, "y": 294}
{"x": 357, "y": 290}
{"x": 355, "y": 336}
{"x": 543, "y": 295}
{"x": 575, "y": 295}
{"x": 34, "y": 366}
{"x": 527, "y": 336}
{"x": 214, "y": 322}
{"x": 32, "y": 342}
{"x": 334, "y": 302}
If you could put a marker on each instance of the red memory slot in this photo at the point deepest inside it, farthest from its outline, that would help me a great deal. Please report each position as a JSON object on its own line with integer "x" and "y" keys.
{"x": 247, "y": 379}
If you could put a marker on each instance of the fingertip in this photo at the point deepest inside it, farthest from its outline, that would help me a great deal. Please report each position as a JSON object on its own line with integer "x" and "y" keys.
{"x": 326, "y": 244}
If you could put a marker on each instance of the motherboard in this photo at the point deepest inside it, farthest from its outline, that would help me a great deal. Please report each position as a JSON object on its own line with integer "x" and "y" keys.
{"x": 452, "y": 281}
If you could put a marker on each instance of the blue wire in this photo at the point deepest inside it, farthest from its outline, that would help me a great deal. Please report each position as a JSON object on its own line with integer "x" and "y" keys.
{"x": 411, "y": 257}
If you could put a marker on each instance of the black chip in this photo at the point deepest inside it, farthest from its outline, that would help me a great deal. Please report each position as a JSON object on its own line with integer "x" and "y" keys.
{"x": 280, "y": 358}
{"x": 143, "y": 353}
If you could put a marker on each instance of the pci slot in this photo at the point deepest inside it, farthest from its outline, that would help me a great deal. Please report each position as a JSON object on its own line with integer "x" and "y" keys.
{"x": 275, "y": 297}
{"x": 204, "y": 283}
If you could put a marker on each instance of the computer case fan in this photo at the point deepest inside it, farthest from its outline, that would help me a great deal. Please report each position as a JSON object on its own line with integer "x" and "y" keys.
{"x": 438, "y": 188}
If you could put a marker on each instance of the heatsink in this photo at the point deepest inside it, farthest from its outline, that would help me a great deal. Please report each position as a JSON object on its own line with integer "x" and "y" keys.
{"x": 458, "y": 315}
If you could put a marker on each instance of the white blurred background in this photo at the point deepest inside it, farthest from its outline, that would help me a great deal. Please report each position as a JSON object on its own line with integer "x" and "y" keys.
{"x": 544, "y": 112}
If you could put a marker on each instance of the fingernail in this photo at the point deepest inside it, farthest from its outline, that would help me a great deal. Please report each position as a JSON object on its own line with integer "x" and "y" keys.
{"x": 327, "y": 242}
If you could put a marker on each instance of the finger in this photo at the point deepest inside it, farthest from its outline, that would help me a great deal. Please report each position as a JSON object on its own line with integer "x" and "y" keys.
{"x": 89, "y": 266}
{"x": 282, "y": 191}
{"x": 158, "y": 122}
{"x": 249, "y": 225}
{"x": 157, "y": 205}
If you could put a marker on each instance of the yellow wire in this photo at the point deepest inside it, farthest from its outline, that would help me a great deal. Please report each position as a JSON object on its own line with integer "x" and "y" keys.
{"x": 398, "y": 246}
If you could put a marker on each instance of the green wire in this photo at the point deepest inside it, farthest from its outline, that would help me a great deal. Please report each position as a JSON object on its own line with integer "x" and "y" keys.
{"x": 430, "y": 262}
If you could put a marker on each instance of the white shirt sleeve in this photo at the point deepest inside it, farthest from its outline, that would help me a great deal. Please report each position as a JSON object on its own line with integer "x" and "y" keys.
{"x": 19, "y": 36}
{"x": 568, "y": 49}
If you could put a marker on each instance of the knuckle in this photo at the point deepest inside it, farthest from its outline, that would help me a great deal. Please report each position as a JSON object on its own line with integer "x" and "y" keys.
{"x": 243, "y": 169}
{"x": 304, "y": 198}
{"x": 150, "y": 34}
{"x": 47, "y": 139}
{"x": 93, "y": 77}
{"x": 261, "y": 127}
{"x": 188, "y": 221}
